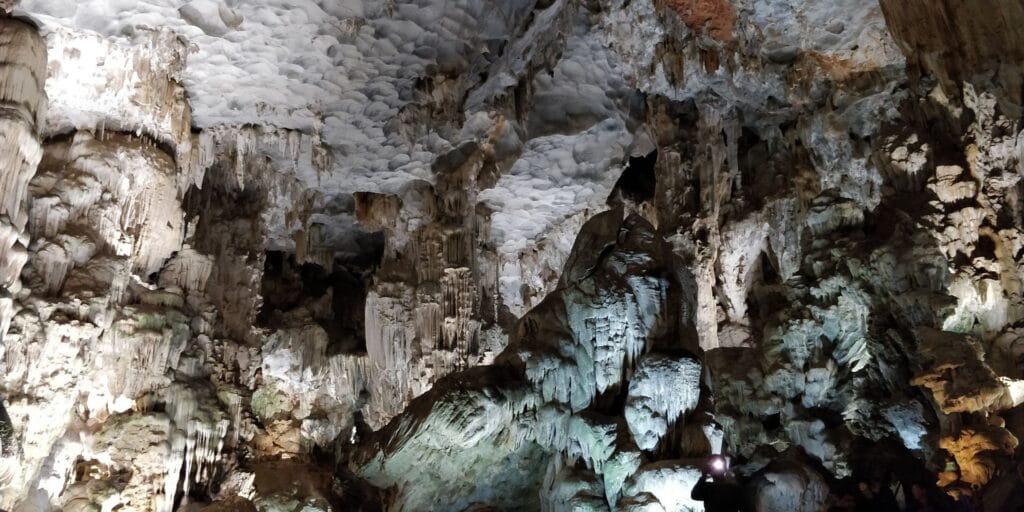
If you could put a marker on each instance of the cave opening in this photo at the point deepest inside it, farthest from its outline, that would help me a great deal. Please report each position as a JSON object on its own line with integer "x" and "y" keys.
{"x": 335, "y": 298}
{"x": 985, "y": 247}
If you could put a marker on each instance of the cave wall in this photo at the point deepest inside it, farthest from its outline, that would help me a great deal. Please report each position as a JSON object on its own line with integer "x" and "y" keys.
{"x": 530, "y": 255}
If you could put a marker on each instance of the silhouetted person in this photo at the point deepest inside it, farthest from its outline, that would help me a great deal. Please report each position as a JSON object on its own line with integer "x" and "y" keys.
{"x": 922, "y": 502}
{"x": 720, "y": 493}
{"x": 876, "y": 496}
{"x": 928, "y": 499}
{"x": 842, "y": 502}
{"x": 963, "y": 498}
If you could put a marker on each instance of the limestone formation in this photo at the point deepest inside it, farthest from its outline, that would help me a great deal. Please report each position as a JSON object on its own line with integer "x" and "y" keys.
{"x": 479, "y": 255}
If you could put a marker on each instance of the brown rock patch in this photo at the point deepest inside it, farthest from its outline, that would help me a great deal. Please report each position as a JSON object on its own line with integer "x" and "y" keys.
{"x": 715, "y": 18}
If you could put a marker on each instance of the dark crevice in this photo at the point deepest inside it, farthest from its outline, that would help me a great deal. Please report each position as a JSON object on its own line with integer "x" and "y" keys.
{"x": 637, "y": 182}
{"x": 335, "y": 298}
{"x": 772, "y": 422}
{"x": 7, "y": 446}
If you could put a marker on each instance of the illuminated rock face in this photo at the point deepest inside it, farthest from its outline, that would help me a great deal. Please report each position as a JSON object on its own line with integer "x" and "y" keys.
{"x": 516, "y": 255}
{"x": 23, "y": 103}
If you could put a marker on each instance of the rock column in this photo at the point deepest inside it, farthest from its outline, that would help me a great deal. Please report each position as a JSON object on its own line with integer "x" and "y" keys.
{"x": 22, "y": 104}
{"x": 22, "y": 101}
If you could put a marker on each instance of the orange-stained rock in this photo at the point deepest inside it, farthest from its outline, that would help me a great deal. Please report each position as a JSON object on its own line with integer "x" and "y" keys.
{"x": 716, "y": 18}
{"x": 977, "y": 451}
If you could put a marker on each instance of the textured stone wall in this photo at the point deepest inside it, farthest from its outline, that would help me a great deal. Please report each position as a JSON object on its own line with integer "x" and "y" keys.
{"x": 528, "y": 255}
